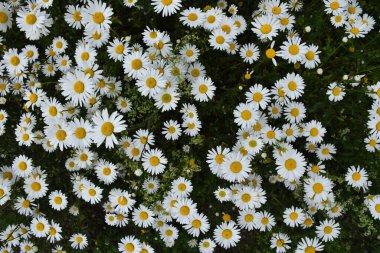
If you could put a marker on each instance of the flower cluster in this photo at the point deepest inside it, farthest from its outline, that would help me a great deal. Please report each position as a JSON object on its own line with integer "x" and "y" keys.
{"x": 71, "y": 98}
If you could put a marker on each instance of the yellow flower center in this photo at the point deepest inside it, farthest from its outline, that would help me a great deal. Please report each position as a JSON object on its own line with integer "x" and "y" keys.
{"x": 154, "y": 161}
{"x": 246, "y": 197}
{"x": 184, "y": 210}
{"x": 14, "y": 60}
{"x": 293, "y": 216}
{"x": 294, "y": 49}
{"x": 270, "y": 53}
{"x": 107, "y": 128}
{"x": 31, "y": 19}
{"x": 58, "y": 200}
{"x": 334, "y": 5}
{"x": 236, "y": 167}
{"x": 144, "y": 215}
{"x": 22, "y": 166}
{"x": 203, "y": 88}
{"x": 122, "y": 200}
{"x": 136, "y": 64}
{"x": 310, "y": 55}
{"x": 219, "y": 39}
{"x": 151, "y": 82}
{"x": 106, "y": 171}
{"x": 196, "y": 223}
{"x": 98, "y": 18}
{"x": 192, "y": 16}
{"x": 290, "y": 164}
{"x": 80, "y": 133}
{"x": 314, "y": 132}
{"x": 3, "y": 17}
{"x": 61, "y": 135}
{"x": 318, "y": 188}
{"x": 227, "y": 234}
{"x": 40, "y": 226}
{"x": 246, "y": 115}
{"x": 266, "y": 28}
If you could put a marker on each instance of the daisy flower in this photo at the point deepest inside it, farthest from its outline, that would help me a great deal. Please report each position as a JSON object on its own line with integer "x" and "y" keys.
{"x": 5, "y": 17}
{"x": 166, "y": 7}
{"x": 258, "y": 95}
{"x": 356, "y": 177}
{"x": 135, "y": 63}
{"x": 222, "y": 194}
{"x": 249, "y": 198}
{"x": 325, "y": 152}
{"x": 311, "y": 57}
{"x": 14, "y": 62}
{"x": 219, "y": 40}
{"x": 105, "y": 127}
{"x": 372, "y": 143}
{"x": 181, "y": 187}
{"x": 293, "y": 216}
{"x": 92, "y": 193}
{"x": 151, "y": 185}
{"x": 264, "y": 221}
{"x": 35, "y": 187}
{"x": 78, "y": 241}
{"x": 97, "y": 16}
{"x": 203, "y": 89}
{"x": 58, "y": 200}
{"x": 249, "y": 53}
{"x": 293, "y": 85}
{"x": 374, "y": 207}
{"x": 149, "y": 82}
{"x": 129, "y": 244}
{"x": 34, "y": 22}
{"x": 142, "y": 216}
{"x": 206, "y": 246}
{"x": 291, "y": 165}
{"x": 168, "y": 234}
{"x": 286, "y": 21}
{"x": 293, "y": 50}
{"x": 117, "y": 49}
{"x": 59, "y": 134}
{"x": 295, "y": 112}
{"x": 167, "y": 99}
{"x": 183, "y": 209}
{"x": 235, "y": 167}
{"x": 266, "y": 27}
{"x": 31, "y": 52}
{"x": 309, "y": 245}
{"x": 197, "y": 224}
{"x": 81, "y": 130}
{"x": 154, "y": 161}
{"x": 106, "y": 171}
{"x": 39, "y": 227}
{"x": 213, "y": 18}
{"x": 334, "y": 6}
{"x": 171, "y": 130}
{"x": 54, "y": 232}
{"x": 192, "y": 17}
{"x": 246, "y": 219}
{"x": 280, "y": 242}
{"x": 336, "y": 92}
{"x": 245, "y": 115}
{"x": 189, "y": 53}
{"x": 317, "y": 188}
{"x": 314, "y": 132}
{"x": 121, "y": 200}
{"x": 328, "y": 230}
{"x": 227, "y": 234}
{"x": 22, "y": 166}
{"x": 77, "y": 87}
